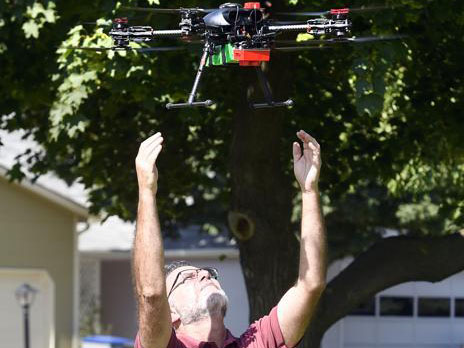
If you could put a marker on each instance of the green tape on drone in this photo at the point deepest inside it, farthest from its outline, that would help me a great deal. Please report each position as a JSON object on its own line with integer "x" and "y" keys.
{"x": 224, "y": 55}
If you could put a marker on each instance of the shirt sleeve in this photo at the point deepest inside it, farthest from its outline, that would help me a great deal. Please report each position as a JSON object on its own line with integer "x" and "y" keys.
{"x": 264, "y": 333}
{"x": 173, "y": 342}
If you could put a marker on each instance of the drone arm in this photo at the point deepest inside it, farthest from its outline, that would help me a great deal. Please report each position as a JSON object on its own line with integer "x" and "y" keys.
{"x": 141, "y": 34}
{"x": 164, "y": 33}
{"x": 295, "y": 27}
{"x": 315, "y": 27}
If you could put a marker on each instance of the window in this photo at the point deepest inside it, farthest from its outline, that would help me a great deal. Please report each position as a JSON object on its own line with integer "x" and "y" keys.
{"x": 459, "y": 308}
{"x": 396, "y": 306}
{"x": 434, "y": 307}
{"x": 365, "y": 308}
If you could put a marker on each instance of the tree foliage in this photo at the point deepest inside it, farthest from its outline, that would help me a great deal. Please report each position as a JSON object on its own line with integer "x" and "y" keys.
{"x": 387, "y": 114}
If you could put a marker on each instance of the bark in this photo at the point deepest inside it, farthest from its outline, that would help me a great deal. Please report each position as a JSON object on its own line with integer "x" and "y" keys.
{"x": 387, "y": 263}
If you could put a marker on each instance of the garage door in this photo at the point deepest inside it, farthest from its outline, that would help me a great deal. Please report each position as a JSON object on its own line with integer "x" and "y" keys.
{"x": 41, "y": 314}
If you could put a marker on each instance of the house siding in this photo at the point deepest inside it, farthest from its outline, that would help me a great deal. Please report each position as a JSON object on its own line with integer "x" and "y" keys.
{"x": 35, "y": 233}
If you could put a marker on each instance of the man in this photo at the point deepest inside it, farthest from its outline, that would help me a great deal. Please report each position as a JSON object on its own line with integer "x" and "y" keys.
{"x": 186, "y": 307}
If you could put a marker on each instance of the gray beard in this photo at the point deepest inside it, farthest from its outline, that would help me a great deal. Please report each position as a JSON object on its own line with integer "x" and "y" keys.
{"x": 215, "y": 304}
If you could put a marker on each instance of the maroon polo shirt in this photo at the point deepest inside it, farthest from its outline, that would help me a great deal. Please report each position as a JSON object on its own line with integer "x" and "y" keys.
{"x": 263, "y": 333}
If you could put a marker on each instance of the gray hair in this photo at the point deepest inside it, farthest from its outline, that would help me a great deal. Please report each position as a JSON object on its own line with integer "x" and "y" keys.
{"x": 170, "y": 267}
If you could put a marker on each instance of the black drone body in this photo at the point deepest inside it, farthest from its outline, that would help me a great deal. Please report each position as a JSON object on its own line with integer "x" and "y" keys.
{"x": 236, "y": 34}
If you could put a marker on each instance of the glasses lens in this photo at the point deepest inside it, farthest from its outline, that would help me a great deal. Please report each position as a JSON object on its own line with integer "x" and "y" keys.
{"x": 213, "y": 272}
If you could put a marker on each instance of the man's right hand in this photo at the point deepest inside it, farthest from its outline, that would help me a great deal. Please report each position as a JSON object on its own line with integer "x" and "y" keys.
{"x": 145, "y": 163}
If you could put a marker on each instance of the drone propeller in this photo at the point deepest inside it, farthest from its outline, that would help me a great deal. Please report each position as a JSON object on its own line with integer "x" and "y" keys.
{"x": 119, "y": 48}
{"x": 144, "y": 18}
{"x": 300, "y": 48}
{"x": 342, "y": 40}
{"x": 96, "y": 24}
{"x": 301, "y": 14}
{"x": 166, "y": 10}
{"x": 326, "y": 13}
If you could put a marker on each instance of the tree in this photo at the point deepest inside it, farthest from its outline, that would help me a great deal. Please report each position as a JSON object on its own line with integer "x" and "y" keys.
{"x": 388, "y": 117}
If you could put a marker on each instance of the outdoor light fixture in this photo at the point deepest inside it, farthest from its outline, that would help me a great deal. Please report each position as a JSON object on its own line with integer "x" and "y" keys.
{"x": 25, "y": 295}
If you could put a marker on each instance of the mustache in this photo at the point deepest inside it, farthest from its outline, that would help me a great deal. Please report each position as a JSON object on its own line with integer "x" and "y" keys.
{"x": 209, "y": 284}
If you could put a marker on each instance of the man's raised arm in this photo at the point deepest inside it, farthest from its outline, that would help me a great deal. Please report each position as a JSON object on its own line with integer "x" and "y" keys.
{"x": 154, "y": 314}
{"x": 297, "y": 306}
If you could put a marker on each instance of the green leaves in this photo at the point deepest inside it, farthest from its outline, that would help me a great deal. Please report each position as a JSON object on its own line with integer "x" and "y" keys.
{"x": 38, "y": 16}
{"x": 31, "y": 29}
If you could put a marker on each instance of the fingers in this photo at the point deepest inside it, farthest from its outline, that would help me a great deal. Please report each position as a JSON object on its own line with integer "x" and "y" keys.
{"x": 296, "y": 151}
{"x": 149, "y": 151}
{"x": 308, "y": 141}
{"x": 148, "y": 146}
{"x": 311, "y": 148}
{"x": 154, "y": 154}
{"x": 147, "y": 142}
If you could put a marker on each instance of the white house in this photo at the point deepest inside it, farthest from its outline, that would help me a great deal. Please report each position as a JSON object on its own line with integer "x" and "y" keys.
{"x": 414, "y": 314}
{"x": 38, "y": 246}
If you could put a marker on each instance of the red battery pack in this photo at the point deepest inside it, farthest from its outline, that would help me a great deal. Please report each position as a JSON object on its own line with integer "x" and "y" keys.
{"x": 252, "y": 5}
{"x": 339, "y": 11}
{"x": 252, "y": 57}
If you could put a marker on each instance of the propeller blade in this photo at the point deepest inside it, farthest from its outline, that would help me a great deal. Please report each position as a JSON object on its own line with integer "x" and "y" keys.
{"x": 300, "y": 48}
{"x": 145, "y": 17}
{"x": 361, "y": 9}
{"x": 141, "y": 49}
{"x": 306, "y": 14}
{"x": 160, "y": 49}
{"x": 376, "y": 38}
{"x": 364, "y": 9}
{"x": 96, "y": 24}
{"x": 94, "y": 48}
{"x": 341, "y": 40}
{"x": 164, "y": 10}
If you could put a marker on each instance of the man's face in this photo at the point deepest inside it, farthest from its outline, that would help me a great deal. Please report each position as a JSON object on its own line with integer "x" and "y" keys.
{"x": 195, "y": 294}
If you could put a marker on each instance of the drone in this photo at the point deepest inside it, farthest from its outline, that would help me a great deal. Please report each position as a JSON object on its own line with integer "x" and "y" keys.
{"x": 238, "y": 34}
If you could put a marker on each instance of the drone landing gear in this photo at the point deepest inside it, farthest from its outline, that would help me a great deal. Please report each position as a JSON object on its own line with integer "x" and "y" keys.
{"x": 191, "y": 103}
{"x": 268, "y": 94}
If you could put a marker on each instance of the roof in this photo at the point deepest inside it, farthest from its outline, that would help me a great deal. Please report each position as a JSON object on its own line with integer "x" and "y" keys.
{"x": 72, "y": 198}
{"x": 64, "y": 202}
{"x": 118, "y": 236}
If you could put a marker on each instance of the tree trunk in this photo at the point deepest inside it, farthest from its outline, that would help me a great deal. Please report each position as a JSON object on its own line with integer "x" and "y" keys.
{"x": 387, "y": 263}
{"x": 262, "y": 194}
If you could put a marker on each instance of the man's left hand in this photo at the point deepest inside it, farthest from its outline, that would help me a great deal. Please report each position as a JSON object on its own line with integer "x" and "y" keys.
{"x": 307, "y": 165}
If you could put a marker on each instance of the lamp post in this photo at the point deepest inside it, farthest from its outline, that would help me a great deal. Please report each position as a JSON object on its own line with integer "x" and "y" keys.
{"x": 25, "y": 295}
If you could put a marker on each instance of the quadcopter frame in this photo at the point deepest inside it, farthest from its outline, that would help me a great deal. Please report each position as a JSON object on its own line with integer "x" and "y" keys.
{"x": 234, "y": 34}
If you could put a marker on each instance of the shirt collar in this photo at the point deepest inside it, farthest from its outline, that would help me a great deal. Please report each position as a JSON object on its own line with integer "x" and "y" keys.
{"x": 191, "y": 342}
